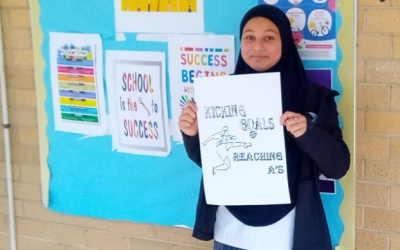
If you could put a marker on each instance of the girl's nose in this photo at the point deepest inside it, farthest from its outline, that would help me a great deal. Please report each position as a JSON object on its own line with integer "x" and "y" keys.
{"x": 257, "y": 45}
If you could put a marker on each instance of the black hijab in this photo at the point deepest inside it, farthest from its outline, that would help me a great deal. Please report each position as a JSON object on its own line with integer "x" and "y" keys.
{"x": 293, "y": 78}
{"x": 294, "y": 86}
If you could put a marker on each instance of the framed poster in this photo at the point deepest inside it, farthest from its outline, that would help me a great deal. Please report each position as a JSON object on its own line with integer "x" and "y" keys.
{"x": 137, "y": 98}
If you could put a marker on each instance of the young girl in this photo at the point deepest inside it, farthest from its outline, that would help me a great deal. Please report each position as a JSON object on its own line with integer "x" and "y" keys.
{"x": 313, "y": 142}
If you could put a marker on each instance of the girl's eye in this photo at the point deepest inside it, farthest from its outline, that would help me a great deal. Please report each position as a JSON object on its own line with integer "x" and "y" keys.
{"x": 249, "y": 38}
{"x": 268, "y": 38}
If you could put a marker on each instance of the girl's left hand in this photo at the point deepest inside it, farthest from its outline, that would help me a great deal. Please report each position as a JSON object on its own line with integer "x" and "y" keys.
{"x": 295, "y": 123}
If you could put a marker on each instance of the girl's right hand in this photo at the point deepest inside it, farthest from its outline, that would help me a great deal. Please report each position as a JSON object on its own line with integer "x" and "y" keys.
{"x": 188, "y": 119}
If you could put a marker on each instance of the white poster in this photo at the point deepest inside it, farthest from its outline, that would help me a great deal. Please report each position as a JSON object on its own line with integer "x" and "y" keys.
{"x": 137, "y": 100}
{"x": 241, "y": 140}
{"x": 193, "y": 56}
{"x": 76, "y": 65}
{"x": 159, "y": 16}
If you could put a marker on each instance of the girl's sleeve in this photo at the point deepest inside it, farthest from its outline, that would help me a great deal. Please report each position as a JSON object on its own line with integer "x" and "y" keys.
{"x": 323, "y": 142}
{"x": 192, "y": 146}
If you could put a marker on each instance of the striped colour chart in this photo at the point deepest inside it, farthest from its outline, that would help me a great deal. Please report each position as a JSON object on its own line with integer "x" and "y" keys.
{"x": 77, "y": 84}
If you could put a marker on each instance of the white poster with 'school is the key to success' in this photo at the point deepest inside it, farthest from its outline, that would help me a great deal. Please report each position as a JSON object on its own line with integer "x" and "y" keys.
{"x": 241, "y": 140}
{"x": 137, "y": 100}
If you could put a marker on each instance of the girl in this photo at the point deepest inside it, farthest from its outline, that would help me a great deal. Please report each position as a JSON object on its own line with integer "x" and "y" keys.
{"x": 313, "y": 142}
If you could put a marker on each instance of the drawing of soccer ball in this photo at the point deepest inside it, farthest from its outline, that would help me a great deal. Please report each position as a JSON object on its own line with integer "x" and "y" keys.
{"x": 253, "y": 134}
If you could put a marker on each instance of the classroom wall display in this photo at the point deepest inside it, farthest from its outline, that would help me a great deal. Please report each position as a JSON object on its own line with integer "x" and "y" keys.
{"x": 104, "y": 175}
{"x": 159, "y": 16}
{"x": 192, "y": 56}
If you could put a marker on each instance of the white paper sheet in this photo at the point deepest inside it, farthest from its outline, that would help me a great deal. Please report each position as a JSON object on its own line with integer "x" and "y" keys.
{"x": 242, "y": 142}
{"x": 76, "y": 63}
{"x": 162, "y": 16}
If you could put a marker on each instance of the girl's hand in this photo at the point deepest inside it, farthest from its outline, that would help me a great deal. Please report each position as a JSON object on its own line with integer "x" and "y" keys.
{"x": 188, "y": 119}
{"x": 295, "y": 123}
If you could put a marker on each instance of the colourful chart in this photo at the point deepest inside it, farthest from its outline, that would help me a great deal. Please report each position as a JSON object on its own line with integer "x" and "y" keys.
{"x": 77, "y": 84}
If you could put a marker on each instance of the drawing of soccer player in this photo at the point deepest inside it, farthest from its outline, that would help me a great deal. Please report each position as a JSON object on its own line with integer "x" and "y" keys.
{"x": 225, "y": 141}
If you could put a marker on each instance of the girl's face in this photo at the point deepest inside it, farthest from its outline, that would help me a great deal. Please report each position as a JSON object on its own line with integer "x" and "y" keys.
{"x": 261, "y": 45}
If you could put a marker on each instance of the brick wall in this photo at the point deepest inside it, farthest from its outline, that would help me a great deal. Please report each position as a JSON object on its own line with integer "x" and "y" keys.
{"x": 378, "y": 125}
{"x": 378, "y": 148}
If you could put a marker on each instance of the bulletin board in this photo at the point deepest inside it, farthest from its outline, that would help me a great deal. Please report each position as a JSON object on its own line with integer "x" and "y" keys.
{"x": 95, "y": 172}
